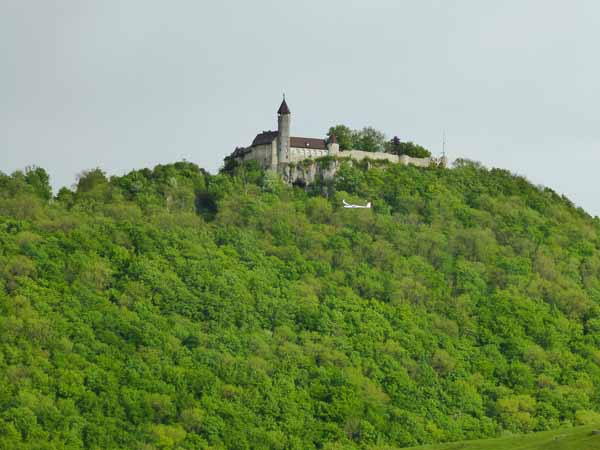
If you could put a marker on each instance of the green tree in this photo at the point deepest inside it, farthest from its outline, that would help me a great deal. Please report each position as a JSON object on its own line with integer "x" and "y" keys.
{"x": 39, "y": 180}
{"x": 397, "y": 147}
{"x": 369, "y": 140}
{"x": 89, "y": 179}
{"x": 344, "y": 135}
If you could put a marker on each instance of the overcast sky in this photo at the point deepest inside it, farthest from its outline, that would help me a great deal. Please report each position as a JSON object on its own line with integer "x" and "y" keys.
{"x": 124, "y": 84}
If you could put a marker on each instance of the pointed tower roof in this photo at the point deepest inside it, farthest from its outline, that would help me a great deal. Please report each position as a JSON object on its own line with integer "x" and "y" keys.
{"x": 283, "y": 109}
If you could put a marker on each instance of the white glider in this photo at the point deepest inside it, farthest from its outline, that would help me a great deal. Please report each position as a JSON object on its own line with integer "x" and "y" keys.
{"x": 348, "y": 205}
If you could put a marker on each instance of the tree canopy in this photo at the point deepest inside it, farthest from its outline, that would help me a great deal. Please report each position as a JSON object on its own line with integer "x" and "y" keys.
{"x": 173, "y": 309}
{"x": 369, "y": 139}
{"x": 397, "y": 147}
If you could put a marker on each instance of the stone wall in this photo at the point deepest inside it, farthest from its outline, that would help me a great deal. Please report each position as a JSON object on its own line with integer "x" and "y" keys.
{"x": 306, "y": 167}
{"x": 419, "y": 162}
{"x": 264, "y": 155}
{"x": 300, "y": 154}
{"x": 404, "y": 159}
{"x": 360, "y": 155}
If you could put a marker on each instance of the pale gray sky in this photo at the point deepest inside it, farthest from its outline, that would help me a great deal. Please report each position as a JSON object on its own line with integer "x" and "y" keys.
{"x": 124, "y": 84}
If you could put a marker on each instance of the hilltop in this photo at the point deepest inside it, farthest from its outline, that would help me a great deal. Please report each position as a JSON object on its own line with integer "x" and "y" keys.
{"x": 174, "y": 309}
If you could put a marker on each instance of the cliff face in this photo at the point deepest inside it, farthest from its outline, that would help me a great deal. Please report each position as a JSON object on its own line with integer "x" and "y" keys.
{"x": 323, "y": 170}
{"x": 309, "y": 172}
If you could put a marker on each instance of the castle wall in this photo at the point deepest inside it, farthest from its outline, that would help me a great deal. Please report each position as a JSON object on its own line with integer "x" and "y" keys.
{"x": 404, "y": 159}
{"x": 419, "y": 162}
{"x": 266, "y": 156}
{"x": 262, "y": 154}
{"x": 359, "y": 155}
{"x": 300, "y": 154}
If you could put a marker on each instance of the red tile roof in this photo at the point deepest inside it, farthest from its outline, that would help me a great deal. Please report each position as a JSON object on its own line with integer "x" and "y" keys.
{"x": 264, "y": 138}
{"x": 302, "y": 142}
{"x": 267, "y": 137}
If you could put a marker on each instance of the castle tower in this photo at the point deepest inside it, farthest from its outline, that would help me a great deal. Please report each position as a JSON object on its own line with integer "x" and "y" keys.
{"x": 333, "y": 148}
{"x": 284, "y": 122}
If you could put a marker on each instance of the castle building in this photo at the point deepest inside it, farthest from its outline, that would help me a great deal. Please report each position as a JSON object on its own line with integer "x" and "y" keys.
{"x": 278, "y": 150}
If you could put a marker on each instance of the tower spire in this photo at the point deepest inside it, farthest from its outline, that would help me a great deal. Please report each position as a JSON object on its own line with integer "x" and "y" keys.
{"x": 283, "y": 109}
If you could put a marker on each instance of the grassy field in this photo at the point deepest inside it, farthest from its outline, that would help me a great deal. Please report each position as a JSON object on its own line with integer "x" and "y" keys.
{"x": 579, "y": 438}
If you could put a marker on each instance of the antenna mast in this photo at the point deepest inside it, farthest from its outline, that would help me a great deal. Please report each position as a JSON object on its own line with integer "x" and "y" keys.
{"x": 444, "y": 143}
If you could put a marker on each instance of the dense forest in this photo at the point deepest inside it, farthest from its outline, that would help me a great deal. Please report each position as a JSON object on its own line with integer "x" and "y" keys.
{"x": 175, "y": 309}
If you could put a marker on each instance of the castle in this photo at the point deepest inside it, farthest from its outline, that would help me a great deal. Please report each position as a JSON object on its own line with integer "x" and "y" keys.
{"x": 281, "y": 152}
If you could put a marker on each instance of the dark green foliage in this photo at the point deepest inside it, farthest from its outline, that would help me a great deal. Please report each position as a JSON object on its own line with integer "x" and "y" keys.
{"x": 397, "y": 147}
{"x": 34, "y": 180}
{"x": 368, "y": 139}
{"x": 371, "y": 140}
{"x": 344, "y": 136}
{"x": 172, "y": 309}
{"x": 38, "y": 179}
{"x": 90, "y": 179}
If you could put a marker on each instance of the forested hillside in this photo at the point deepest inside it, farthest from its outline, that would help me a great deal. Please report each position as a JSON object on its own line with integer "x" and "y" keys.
{"x": 174, "y": 309}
